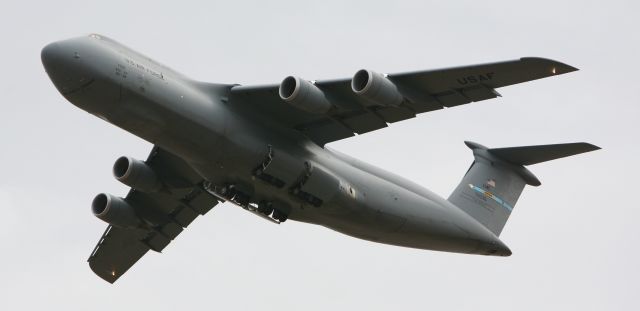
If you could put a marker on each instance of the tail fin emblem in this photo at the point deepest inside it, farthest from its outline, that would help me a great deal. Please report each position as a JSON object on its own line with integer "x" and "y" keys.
{"x": 490, "y": 195}
{"x": 490, "y": 184}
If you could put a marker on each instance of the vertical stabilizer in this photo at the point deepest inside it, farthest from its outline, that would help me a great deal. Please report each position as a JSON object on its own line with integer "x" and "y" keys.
{"x": 492, "y": 185}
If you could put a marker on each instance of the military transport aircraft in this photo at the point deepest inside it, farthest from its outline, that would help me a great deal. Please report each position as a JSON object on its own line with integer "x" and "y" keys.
{"x": 262, "y": 148}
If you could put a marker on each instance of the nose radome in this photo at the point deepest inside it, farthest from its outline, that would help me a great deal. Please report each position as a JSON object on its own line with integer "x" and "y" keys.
{"x": 65, "y": 66}
{"x": 50, "y": 55}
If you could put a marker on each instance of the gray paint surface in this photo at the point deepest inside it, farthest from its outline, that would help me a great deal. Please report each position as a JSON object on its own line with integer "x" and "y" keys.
{"x": 567, "y": 264}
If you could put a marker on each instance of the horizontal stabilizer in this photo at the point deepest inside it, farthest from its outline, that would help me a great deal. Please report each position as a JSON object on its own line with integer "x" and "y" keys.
{"x": 529, "y": 155}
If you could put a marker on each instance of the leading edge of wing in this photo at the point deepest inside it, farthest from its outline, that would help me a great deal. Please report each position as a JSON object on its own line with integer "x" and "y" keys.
{"x": 555, "y": 68}
{"x": 560, "y": 68}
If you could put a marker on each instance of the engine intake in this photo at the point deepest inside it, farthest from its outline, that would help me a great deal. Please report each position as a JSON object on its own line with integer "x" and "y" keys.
{"x": 136, "y": 174}
{"x": 115, "y": 211}
{"x": 303, "y": 95}
{"x": 376, "y": 88}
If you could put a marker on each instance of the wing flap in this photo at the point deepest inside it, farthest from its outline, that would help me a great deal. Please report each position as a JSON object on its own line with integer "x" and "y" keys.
{"x": 480, "y": 92}
{"x": 185, "y": 216}
{"x": 393, "y": 114}
{"x": 365, "y": 122}
{"x": 452, "y": 99}
{"x": 326, "y": 131}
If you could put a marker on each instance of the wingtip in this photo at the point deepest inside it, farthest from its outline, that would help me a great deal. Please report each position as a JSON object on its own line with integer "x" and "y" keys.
{"x": 590, "y": 147}
{"x": 555, "y": 67}
{"x": 109, "y": 276}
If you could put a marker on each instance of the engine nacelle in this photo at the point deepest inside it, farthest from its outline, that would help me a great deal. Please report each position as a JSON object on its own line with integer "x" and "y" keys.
{"x": 303, "y": 95}
{"x": 376, "y": 88}
{"x": 115, "y": 211}
{"x": 136, "y": 174}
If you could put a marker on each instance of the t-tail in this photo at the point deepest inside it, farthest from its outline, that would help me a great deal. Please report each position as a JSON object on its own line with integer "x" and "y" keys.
{"x": 492, "y": 185}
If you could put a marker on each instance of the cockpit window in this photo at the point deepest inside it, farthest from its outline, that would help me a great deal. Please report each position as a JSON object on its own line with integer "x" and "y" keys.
{"x": 95, "y": 36}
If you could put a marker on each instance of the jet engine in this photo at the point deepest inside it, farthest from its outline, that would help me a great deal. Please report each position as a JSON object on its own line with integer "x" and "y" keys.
{"x": 115, "y": 211}
{"x": 376, "y": 88}
{"x": 303, "y": 95}
{"x": 136, "y": 174}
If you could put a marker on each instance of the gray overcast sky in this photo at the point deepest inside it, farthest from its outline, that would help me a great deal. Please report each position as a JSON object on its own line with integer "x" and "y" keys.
{"x": 575, "y": 239}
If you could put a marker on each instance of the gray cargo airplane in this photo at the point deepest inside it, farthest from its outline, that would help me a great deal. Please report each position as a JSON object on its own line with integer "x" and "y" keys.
{"x": 262, "y": 148}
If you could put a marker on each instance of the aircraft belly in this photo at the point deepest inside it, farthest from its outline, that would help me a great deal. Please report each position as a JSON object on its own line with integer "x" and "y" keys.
{"x": 415, "y": 230}
{"x": 372, "y": 208}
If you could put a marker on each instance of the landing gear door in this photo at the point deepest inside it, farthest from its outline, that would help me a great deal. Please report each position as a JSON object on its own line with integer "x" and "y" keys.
{"x": 321, "y": 184}
{"x": 278, "y": 168}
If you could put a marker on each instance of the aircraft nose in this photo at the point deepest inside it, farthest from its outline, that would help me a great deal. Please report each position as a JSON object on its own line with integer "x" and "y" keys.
{"x": 50, "y": 54}
{"x": 64, "y": 65}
